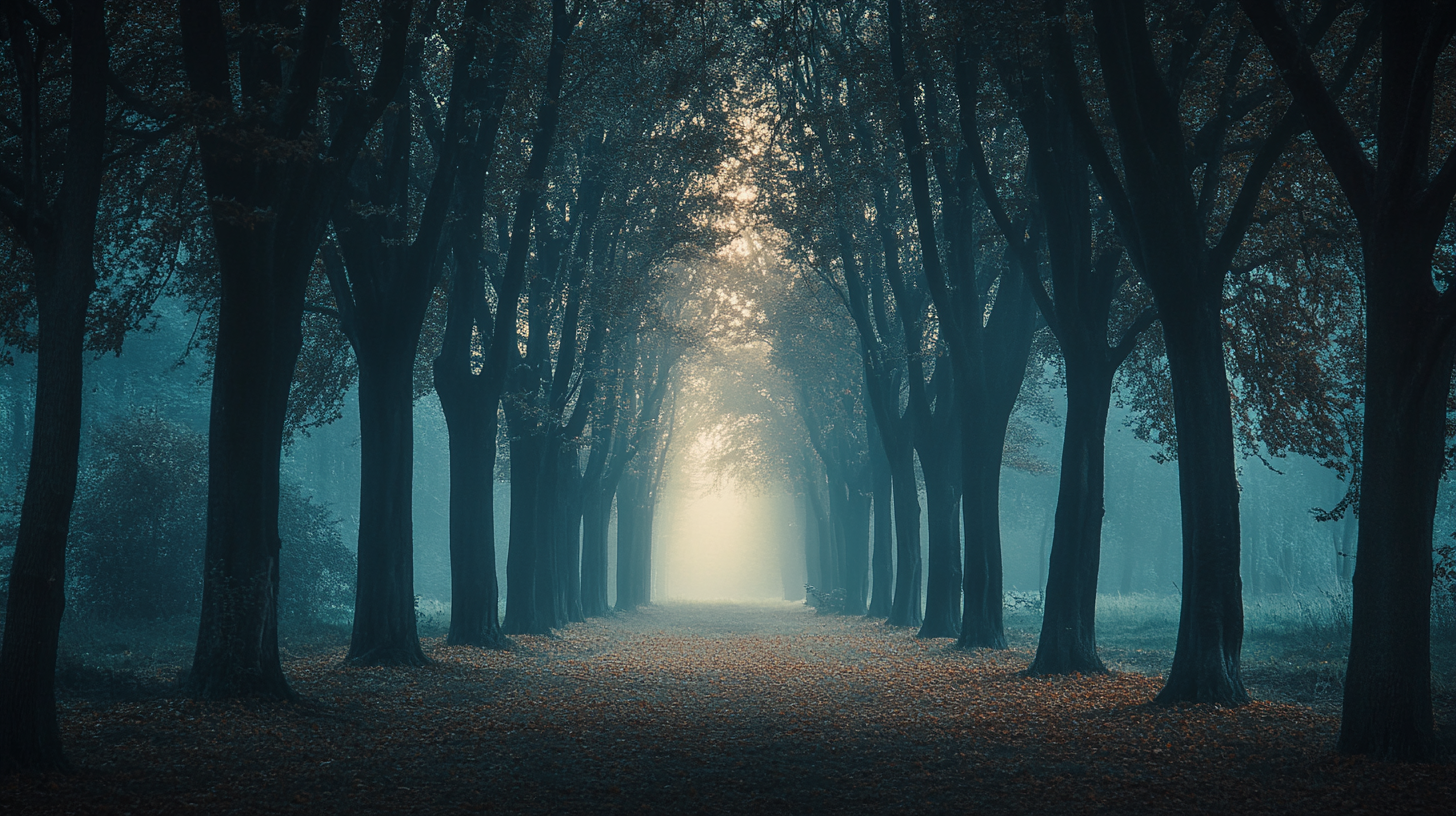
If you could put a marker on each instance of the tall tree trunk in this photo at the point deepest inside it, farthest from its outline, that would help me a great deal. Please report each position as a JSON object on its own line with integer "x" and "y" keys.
{"x": 812, "y": 576}
{"x": 29, "y": 734}
{"x": 943, "y": 569}
{"x": 1387, "y": 705}
{"x": 857, "y": 508}
{"x": 258, "y": 340}
{"x": 568, "y": 535}
{"x": 982, "y": 624}
{"x": 550, "y": 605}
{"x": 385, "y": 631}
{"x": 1402, "y": 210}
{"x": 596, "y": 519}
{"x": 522, "y": 614}
{"x": 628, "y": 518}
{"x": 820, "y": 549}
{"x": 906, "y": 608}
{"x": 1211, "y": 627}
{"x": 474, "y": 588}
{"x": 253, "y": 164}
{"x": 882, "y": 554}
{"x": 1068, "y": 641}
{"x": 62, "y": 241}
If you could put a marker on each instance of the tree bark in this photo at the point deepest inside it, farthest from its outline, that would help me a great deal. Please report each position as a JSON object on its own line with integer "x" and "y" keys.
{"x": 997, "y": 367}
{"x": 1068, "y": 642}
{"x": 1211, "y": 627}
{"x": 1402, "y": 210}
{"x": 474, "y": 590}
{"x": 61, "y": 236}
{"x": 631, "y": 524}
{"x": 882, "y": 552}
{"x": 1409, "y": 352}
{"x": 907, "y": 603}
{"x": 385, "y": 631}
{"x": 943, "y": 568}
{"x": 268, "y": 216}
{"x": 469, "y": 399}
{"x": 596, "y": 519}
{"x": 522, "y": 613}
{"x": 237, "y": 640}
{"x": 30, "y": 736}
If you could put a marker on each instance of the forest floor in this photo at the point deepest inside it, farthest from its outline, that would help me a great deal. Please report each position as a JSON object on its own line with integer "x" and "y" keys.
{"x": 712, "y": 708}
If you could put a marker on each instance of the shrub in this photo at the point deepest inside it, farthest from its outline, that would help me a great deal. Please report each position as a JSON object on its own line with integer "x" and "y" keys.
{"x": 140, "y": 522}
{"x": 825, "y": 603}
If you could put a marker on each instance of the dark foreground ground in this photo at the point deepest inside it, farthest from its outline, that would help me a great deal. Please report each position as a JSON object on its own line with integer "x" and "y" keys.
{"x": 712, "y": 708}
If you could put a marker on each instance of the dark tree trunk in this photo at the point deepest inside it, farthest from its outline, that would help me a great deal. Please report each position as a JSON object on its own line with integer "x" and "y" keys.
{"x": 598, "y": 487}
{"x": 29, "y": 734}
{"x": 998, "y": 368}
{"x": 596, "y": 519}
{"x": 943, "y": 569}
{"x": 469, "y": 399}
{"x": 882, "y": 554}
{"x": 474, "y": 591}
{"x": 1387, "y": 705}
{"x": 61, "y": 235}
{"x": 569, "y": 535}
{"x": 1402, "y": 211}
{"x": 237, "y": 640}
{"x": 383, "y": 289}
{"x": 550, "y": 606}
{"x": 527, "y": 444}
{"x": 264, "y": 261}
{"x": 820, "y": 551}
{"x": 1166, "y": 222}
{"x": 812, "y": 576}
{"x": 632, "y": 530}
{"x": 522, "y": 613}
{"x": 1211, "y": 627}
{"x": 1068, "y": 642}
{"x": 857, "y": 508}
{"x": 1077, "y": 311}
{"x": 384, "y": 607}
{"x": 982, "y": 626}
{"x": 906, "y": 608}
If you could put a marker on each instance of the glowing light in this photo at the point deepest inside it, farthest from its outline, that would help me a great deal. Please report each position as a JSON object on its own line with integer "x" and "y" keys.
{"x": 722, "y": 544}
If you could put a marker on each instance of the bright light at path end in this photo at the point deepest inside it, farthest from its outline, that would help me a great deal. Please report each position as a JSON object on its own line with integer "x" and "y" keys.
{"x": 723, "y": 544}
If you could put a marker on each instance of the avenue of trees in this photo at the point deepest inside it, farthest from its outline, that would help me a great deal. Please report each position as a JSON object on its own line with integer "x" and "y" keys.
{"x": 892, "y": 229}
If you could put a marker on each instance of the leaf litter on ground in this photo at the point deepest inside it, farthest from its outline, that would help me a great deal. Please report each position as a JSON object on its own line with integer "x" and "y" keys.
{"x": 713, "y": 708}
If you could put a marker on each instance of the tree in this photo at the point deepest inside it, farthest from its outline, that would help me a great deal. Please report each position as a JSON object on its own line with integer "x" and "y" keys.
{"x": 1402, "y": 208}
{"x": 50, "y": 200}
{"x": 1086, "y": 281}
{"x": 273, "y": 162}
{"x": 468, "y": 397}
{"x": 1183, "y": 234}
{"x": 988, "y": 352}
{"x": 382, "y": 280}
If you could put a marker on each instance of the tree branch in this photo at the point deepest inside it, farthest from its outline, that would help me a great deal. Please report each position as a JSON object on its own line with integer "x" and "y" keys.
{"x": 1330, "y": 128}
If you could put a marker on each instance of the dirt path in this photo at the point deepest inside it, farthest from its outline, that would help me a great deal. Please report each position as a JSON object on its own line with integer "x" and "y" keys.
{"x": 713, "y": 708}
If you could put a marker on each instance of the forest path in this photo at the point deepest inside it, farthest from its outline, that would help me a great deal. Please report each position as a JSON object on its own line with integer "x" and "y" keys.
{"x": 712, "y": 708}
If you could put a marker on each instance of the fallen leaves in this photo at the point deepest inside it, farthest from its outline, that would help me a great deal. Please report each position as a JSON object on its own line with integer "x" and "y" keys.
{"x": 714, "y": 708}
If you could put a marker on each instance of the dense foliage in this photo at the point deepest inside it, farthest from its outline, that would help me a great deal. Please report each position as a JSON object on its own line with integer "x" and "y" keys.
{"x": 141, "y": 512}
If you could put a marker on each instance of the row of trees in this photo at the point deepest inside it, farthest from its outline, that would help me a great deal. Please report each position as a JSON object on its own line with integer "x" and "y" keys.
{"x": 528, "y": 191}
{"x": 1146, "y": 184}
{"x": 472, "y": 195}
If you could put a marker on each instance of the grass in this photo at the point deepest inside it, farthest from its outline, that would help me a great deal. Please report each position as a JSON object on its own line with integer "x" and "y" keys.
{"x": 1295, "y": 645}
